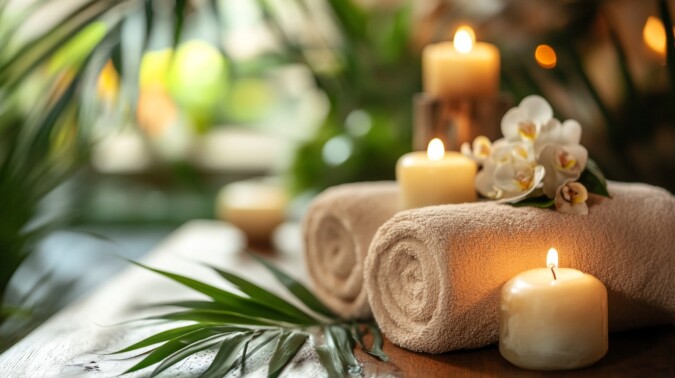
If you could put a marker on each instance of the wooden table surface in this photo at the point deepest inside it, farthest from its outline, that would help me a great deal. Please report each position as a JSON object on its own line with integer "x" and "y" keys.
{"x": 73, "y": 342}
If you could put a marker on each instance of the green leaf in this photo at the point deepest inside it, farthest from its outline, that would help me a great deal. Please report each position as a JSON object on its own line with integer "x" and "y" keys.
{"x": 175, "y": 345}
{"x": 352, "y": 19}
{"x": 216, "y": 316}
{"x": 330, "y": 360}
{"x": 300, "y": 291}
{"x": 184, "y": 353}
{"x": 357, "y": 334}
{"x": 541, "y": 202}
{"x": 261, "y": 295}
{"x": 260, "y": 344}
{"x": 593, "y": 179}
{"x": 376, "y": 349}
{"x": 161, "y": 337}
{"x": 287, "y": 347}
{"x": 198, "y": 305}
{"x": 234, "y": 303}
{"x": 226, "y": 357}
{"x": 344, "y": 344}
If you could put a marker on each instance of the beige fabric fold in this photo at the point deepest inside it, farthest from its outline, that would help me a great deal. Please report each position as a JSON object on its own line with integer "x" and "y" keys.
{"x": 433, "y": 275}
{"x": 337, "y": 231}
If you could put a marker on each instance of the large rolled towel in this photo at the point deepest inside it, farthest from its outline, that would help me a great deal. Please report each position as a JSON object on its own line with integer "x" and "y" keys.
{"x": 338, "y": 229}
{"x": 433, "y": 275}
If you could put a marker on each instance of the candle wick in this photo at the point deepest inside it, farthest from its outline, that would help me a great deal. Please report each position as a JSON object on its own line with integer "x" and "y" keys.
{"x": 553, "y": 271}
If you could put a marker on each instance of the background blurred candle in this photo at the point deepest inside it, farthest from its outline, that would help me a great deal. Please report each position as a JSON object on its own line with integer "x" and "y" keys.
{"x": 462, "y": 68}
{"x": 256, "y": 207}
{"x": 553, "y": 319}
{"x": 435, "y": 177}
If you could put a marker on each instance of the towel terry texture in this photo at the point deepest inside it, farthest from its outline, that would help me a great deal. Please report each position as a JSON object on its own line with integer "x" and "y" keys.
{"x": 338, "y": 229}
{"x": 433, "y": 275}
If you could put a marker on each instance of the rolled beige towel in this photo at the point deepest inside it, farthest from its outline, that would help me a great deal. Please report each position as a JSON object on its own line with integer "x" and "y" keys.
{"x": 337, "y": 231}
{"x": 433, "y": 275}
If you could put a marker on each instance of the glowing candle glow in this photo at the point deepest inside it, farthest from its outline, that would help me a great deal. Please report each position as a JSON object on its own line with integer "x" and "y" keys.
{"x": 435, "y": 177}
{"x": 553, "y": 318}
{"x": 546, "y": 56}
{"x": 654, "y": 35}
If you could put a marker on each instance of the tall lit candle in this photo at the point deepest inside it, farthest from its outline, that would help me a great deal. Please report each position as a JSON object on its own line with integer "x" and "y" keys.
{"x": 461, "y": 68}
{"x": 553, "y": 318}
{"x": 435, "y": 177}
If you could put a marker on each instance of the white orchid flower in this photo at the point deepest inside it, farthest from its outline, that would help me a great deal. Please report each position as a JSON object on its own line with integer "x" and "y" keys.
{"x": 482, "y": 148}
{"x": 525, "y": 121}
{"x": 510, "y": 174}
{"x": 563, "y": 164}
{"x": 553, "y": 132}
{"x": 570, "y": 198}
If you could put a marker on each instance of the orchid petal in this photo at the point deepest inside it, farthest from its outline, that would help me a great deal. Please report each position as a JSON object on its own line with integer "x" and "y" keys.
{"x": 536, "y": 109}
{"x": 465, "y": 149}
{"x": 557, "y": 175}
{"x": 580, "y": 153}
{"x": 539, "y": 173}
{"x": 510, "y": 123}
{"x": 571, "y": 132}
{"x": 576, "y": 204}
{"x": 504, "y": 178}
{"x": 484, "y": 184}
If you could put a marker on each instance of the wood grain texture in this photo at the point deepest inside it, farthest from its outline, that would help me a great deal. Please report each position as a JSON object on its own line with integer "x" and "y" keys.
{"x": 73, "y": 342}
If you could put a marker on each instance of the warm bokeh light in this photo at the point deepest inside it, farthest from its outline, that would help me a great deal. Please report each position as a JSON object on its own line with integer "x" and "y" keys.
{"x": 435, "y": 150}
{"x": 654, "y": 35}
{"x": 546, "y": 56}
{"x": 156, "y": 110}
{"x": 552, "y": 258}
{"x": 108, "y": 82}
{"x": 464, "y": 39}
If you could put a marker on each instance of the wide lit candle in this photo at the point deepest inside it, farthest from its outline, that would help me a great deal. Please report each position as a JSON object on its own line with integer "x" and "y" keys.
{"x": 461, "y": 68}
{"x": 256, "y": 207}
{"x": 435, "y": 177}
{"x": 553, "y": 318}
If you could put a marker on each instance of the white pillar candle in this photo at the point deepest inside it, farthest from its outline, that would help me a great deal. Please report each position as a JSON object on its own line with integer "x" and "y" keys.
{"x": 435, "y": 177}
{"x": 256, "y": 207}
{"x": 553, "y": 319}
{"x": 461, "y": 68}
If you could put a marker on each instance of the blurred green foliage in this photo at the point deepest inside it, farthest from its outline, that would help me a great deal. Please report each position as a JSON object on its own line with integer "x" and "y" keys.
{"x": 371, "y": 69}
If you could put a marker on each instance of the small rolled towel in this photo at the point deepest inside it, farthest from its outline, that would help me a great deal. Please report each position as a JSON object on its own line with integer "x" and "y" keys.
{"x": 433, "y": 275}
{"x": 337, "y": 231}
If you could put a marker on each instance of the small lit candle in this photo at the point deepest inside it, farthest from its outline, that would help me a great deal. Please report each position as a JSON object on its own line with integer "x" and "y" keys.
{"x": 435, "y": 177}
{"x": 256, "y": 207}
{"x": 461, "y": 68}
{"x": 553, "y": 318}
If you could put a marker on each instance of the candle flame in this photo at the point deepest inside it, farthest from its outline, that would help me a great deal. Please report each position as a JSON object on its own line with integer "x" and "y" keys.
{"x": 545, "y": 56}
{"x": 464, "y": 39}
{"x": 552, "y": 258}
{"x": 435, "y": 150}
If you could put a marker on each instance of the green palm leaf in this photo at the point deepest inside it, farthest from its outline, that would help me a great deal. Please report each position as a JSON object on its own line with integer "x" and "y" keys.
{"x": 376, "y": 349}
{"x": 299, "y": 290}
{"x": 185, "y": 353}
{"x": 227, "y": 356}
{"x": 222, "y": 317}
{"x": 170, "y": 335}
{"x": 174, "y": 345}
{"x": 229, "y": 301}
{"x": 241, "y": 331}
{"x": 287, "y": 347}
{"x": 257, "y": 293}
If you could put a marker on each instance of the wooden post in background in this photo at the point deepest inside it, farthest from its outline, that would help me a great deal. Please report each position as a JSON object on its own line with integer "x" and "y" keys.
{"x": 455, "y": 120}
